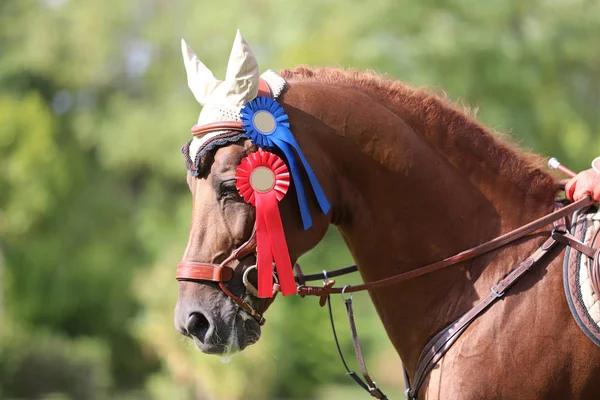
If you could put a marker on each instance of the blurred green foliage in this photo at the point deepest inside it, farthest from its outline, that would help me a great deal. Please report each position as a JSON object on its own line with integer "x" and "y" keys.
{"x": 36, "y": 365}
{"x": 94, "y": 209}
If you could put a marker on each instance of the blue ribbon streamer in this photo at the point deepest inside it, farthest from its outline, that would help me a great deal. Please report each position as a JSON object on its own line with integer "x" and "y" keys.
{"x": 282, "y": 138}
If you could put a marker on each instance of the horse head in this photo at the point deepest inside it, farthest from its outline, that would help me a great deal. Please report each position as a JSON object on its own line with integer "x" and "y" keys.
{"x": 217, "y": 304}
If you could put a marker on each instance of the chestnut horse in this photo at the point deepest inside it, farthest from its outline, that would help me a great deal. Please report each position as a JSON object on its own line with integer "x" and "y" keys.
{"x": 411, "y": 180}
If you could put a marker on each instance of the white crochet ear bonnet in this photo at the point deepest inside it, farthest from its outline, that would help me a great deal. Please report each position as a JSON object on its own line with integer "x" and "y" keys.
{"x": 223, "y": 100}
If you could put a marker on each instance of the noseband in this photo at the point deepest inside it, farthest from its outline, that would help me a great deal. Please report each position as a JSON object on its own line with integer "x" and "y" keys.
{"x": 221, "y": 273}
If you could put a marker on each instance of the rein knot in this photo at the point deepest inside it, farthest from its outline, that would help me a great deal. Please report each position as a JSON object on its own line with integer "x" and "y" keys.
{"x": 322, "y": 292}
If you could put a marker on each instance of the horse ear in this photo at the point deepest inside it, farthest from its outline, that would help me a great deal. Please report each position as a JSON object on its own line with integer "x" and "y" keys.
{"x": 241, "y": 80}
{"x": 201, "y": 80}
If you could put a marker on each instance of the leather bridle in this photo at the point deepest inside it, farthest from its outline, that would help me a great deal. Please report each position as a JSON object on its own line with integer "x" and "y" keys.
{"x": 221, "y": 273}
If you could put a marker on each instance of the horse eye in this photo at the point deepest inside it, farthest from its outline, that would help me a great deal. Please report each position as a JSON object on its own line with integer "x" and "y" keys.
{"x": 227, "y": 189}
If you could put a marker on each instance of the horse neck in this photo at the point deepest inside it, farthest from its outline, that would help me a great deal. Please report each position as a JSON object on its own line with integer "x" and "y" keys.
{"x": 402, "y": 201}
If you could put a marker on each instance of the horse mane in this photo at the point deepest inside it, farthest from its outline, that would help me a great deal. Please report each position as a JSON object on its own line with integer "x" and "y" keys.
{"x": 442, "y": 124}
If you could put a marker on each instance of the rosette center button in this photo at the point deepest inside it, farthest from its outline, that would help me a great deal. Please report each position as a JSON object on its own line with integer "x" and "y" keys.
{"x": 262, "y": 179}
{"x": 264, "y": 122}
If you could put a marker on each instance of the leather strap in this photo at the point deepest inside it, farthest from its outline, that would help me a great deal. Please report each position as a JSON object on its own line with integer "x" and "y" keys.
{"x": 566, "y": 238}
{"x": 590, "y": 251}
{"x": 299, "y": 274}
{"x": 264, "y": 90}
{"x": 441, "y": 343}
{"x": 469, "y": 254}
{"x": 243, "y": 305}
{"x": 301, "y": 279}
{"x": 201, "y": 130}
{"x": 191, "y": 271}
{"x": 435, "y": 349}
{"x": 371, "y": 385}
{"x": 199, "y": 271}
{"x": 349, "y": 372}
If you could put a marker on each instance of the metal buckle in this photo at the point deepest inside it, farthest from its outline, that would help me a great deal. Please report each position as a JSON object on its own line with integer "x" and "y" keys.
{"x": 249, "y": 286}
{"x": 350, "y": 299}
{"x": 494, "y": 290}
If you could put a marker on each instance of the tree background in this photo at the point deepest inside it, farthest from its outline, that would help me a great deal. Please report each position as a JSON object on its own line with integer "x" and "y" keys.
{"x": 94, "y": 208}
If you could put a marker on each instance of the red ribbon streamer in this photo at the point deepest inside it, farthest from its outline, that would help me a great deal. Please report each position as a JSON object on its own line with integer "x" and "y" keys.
{"x": 270, "y": 237}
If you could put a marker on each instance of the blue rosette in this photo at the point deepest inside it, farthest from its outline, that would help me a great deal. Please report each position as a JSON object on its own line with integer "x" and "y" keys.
{"x": 267, "y": 125}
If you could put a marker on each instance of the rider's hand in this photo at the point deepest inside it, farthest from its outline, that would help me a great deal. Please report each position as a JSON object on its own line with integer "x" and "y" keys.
{"x": 585, "y": 183}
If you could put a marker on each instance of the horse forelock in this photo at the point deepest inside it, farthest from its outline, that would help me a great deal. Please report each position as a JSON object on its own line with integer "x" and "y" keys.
{"x": 438, "y": 119}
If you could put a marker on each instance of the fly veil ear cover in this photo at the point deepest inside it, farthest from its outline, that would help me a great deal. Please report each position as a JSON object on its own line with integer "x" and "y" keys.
{"x": 239, "y": 87}
{"x": 221, "y": 100}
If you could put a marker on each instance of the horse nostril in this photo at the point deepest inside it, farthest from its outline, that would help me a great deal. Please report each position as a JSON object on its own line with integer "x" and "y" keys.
{"x": 198, "y": 326}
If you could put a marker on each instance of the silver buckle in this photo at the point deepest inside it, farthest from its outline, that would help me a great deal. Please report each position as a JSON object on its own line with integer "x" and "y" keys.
{"x": 249, "y": 286}
{"x": 342, "y": 295}
{"x": 494, "y": 290}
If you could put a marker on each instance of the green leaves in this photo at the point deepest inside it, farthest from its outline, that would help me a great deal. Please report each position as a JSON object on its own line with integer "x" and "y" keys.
{"x": 32, "y": 167}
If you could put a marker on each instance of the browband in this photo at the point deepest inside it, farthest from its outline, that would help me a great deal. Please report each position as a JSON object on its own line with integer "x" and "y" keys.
{"x": 199, "y": 131}
{"x": 264, "y": 90}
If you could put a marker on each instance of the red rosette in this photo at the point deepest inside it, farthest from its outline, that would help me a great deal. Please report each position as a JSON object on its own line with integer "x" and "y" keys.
{"x": 262, "y": 159}
{"x": 262, "y": 179}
